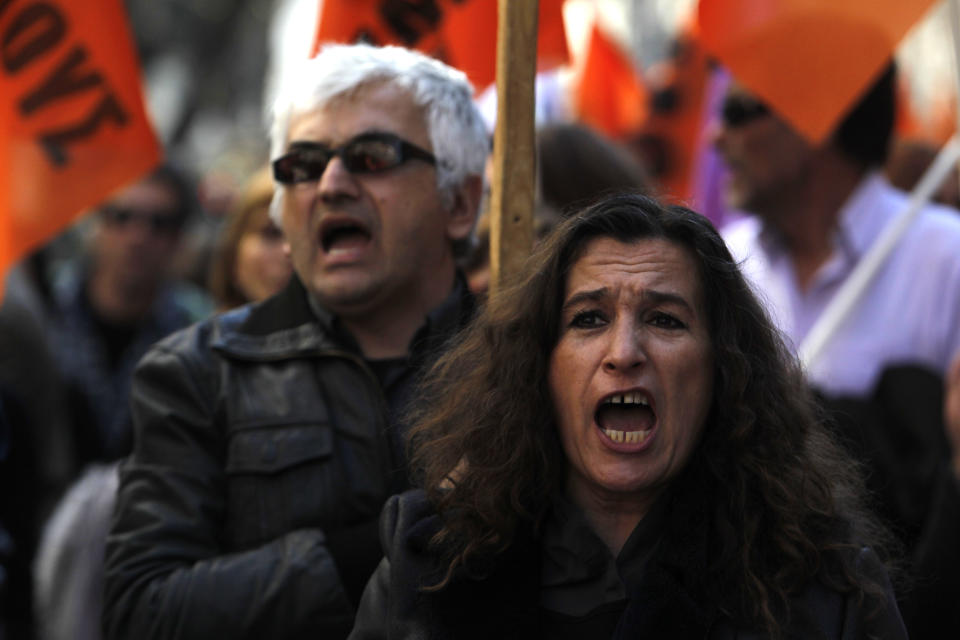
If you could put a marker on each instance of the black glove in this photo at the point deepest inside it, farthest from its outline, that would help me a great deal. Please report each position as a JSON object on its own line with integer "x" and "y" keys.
{"x": 356, "y": 551}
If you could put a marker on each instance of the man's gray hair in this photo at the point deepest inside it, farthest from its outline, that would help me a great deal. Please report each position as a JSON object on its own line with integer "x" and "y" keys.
{"x": 457, "y": 131}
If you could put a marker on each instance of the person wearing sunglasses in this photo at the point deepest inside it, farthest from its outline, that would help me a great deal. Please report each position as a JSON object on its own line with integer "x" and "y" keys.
{"x": 114, "y": 301}
{"x": 268, "y": 438}
{"x": 816, "y": 210}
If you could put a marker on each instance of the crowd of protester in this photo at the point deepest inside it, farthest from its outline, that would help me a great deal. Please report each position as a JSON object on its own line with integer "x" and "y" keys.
{"x": 203, "y": 442}
{"x": 78, "y": 316}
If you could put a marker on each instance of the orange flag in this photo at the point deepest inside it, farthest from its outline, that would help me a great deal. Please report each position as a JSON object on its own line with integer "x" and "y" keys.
{"x": 808, "y": 59}
{"x": 72, "y": 121}
{"x": 462, "y": 33}
{"x": 609, "y": 95}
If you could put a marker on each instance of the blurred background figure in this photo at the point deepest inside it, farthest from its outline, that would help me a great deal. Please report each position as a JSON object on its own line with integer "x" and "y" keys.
{"x": 576, "y": 164}
{"x": 816, "y": 210}
{"x": 6, "y": 543}
{"x": 36, "y": 461}
{"x": 110, "y": 303}
{"x": 909, "y": 159}
{"x": 115, "y": 301}
{"x": 68, "y": 569}
{"x": 250, "y": 263}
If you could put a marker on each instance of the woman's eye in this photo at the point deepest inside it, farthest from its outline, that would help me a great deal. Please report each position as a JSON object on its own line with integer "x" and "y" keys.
{"x": 587, "y": 319}
{"x": 270, "y": 233}
{"x": 666, "y": 321}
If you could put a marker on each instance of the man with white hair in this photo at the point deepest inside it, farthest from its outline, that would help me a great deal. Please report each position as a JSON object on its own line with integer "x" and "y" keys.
{"x": 267, "y": 439}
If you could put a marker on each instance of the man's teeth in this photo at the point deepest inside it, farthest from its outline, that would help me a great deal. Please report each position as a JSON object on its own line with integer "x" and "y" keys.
{"x": 628, "y": 398}
{"x": 630, "y": 437}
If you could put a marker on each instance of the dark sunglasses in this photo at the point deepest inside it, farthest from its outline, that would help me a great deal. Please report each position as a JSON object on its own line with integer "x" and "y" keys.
{"x": 738, "y": 110}
{"x": 367, "y": 153}
{"x": 159, "y": 223}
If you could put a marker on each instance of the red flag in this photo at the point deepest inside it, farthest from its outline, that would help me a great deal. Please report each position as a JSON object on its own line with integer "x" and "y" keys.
{"x": 610, "y": 95}
{"x": 462, "y": 33}
{"x": 72, "y": 123}
{"x": 809, "y": 59}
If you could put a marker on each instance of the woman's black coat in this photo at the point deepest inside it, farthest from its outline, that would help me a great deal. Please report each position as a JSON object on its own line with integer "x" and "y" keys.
{"x": 667, "y": 603}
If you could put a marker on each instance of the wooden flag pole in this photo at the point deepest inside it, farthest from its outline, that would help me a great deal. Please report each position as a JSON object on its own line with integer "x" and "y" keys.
{"x": 514, "y": 157}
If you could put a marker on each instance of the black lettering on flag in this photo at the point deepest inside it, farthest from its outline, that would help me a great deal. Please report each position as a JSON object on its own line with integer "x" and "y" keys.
{"x": 54, "y": 142}
{"x": 410, "y": 19}
{"x": 66, "y": 79}
{"x": 34, "y": 31}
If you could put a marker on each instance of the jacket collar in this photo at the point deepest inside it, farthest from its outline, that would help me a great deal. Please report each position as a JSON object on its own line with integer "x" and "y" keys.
{"x": 280, "y": 327}
{"x": 289, "y": 324}
{"x": 285, "y": 310}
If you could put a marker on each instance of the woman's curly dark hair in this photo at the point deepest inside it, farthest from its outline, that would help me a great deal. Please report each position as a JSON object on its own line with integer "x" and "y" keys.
{"x": 786, "y": 502}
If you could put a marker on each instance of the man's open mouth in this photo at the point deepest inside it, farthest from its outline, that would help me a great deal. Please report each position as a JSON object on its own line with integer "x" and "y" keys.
{"x": 343, "y": 235}
{"x": 626, "y": 417}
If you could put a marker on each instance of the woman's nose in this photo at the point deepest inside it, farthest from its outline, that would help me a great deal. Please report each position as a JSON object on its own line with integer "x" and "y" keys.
{"x": 625, "y": 349}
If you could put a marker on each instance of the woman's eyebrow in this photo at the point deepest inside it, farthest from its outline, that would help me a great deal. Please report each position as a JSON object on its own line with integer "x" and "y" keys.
{"x": 652, "y": 296}
{"x": 666, "y": 297}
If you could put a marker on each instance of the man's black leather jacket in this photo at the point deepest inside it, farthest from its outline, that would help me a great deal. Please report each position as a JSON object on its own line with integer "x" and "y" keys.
{"x": 257, "y": 434}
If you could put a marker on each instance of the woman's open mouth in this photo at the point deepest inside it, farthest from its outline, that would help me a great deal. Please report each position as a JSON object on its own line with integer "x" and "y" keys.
{"x": 626, "y": 418}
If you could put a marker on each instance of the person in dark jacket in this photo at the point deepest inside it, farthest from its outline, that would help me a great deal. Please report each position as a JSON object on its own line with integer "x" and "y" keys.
{"x": 114, "y": 300}
{"x": 622, "y": 447}
{"x": 268, "y": 438}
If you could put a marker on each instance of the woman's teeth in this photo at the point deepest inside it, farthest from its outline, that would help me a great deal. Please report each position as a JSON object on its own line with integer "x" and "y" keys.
{"x": 630, "y": 437}
{"x": 627, "y": 398}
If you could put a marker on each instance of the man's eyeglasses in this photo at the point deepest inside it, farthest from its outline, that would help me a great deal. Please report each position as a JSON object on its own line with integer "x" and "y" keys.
{"x": 367, "y": 153}
{"x": 159, "y": 223}
{"x": 738, "y": 110}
